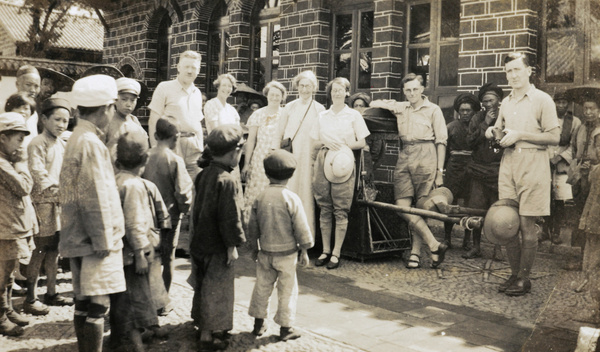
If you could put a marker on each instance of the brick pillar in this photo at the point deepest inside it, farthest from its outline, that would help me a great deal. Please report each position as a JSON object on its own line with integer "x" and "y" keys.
{"x": 388, "y": 32}
{"x": 488, "y": 31}
{"x": 239, "y": 37}
{"x": 305, "y": 33}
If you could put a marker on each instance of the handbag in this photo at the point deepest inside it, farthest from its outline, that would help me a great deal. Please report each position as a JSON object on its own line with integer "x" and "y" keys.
{"x": 286, "y": 143}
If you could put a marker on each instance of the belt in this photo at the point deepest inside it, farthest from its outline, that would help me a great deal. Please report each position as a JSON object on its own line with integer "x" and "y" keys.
{"x": 526, "y": 150}
{"x": 461, "y": 152}
{"x": 417, "y": 141}
{"x": 187, "y": 134}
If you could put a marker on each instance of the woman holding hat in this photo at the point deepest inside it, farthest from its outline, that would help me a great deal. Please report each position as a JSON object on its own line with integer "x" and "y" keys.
{"x": 297, "y": 119}
{"x": 262, "y": 125}
{"x": 217, "y": 111}
{"x": 337, "y": 131}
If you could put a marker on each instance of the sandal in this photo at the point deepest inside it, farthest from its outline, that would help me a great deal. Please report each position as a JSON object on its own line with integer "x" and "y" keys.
{"x": 411, "y": 261}
{"x": 441, "y": 253}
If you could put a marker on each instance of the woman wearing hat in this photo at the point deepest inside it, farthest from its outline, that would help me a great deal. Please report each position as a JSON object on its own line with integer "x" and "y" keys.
{"x": 337, "y": 131}
{"x": 297, "y": 119}
{"x": 262, "y": 124}
{"x": 458, "y": 152}
{"x": 217, "y": 111}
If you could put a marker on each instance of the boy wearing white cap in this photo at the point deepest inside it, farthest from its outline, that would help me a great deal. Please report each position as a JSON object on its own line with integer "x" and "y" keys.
{"x": 17, "y": 219}
{"x": 123, "y": 121}
{"x": 91, "y": 219}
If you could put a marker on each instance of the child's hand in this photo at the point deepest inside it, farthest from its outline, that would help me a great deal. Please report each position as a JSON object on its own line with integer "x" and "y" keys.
{"x": 303, "y": 258}
{"x": 141, "y": 264}
{"x": 232, "y": 255}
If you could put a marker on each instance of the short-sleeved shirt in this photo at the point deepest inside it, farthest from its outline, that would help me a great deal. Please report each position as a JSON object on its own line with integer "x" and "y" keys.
{"x": 345, "y": 127}
{"x": 171, "y": 99}
{"x": 535, "y": 112}
{"x": 214, "y": 111}
{"x": 426, "y": 123}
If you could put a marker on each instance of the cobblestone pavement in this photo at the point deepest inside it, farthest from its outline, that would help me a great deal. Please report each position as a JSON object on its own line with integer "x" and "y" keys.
{"x": 463, "y": 283}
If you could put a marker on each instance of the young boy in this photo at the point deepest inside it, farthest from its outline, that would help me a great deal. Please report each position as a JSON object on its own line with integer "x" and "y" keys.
{"x": 278, "y": 226}
{"x": 17, "y": 219}
{"x": 45, "y": 160}
{"x": 123, "y": 121}
{"x": 135, "y": 310}
{"x": 92, "y": 225}
{"x": 217, "y": 231}
{"x": 167, "y": 170}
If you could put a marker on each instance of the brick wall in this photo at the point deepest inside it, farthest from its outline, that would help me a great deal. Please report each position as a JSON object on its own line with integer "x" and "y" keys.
{"x": 305, "y": 33}
{"x": 489, "y": 29}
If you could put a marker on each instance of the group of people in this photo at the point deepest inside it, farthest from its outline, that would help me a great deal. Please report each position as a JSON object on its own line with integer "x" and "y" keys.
{"x": 112, "y": 198}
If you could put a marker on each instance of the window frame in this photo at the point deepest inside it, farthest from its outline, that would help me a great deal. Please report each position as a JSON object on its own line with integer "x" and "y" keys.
{"x": 219, "y": 26}
{"x": 269, "y": 17}
{"x": 356, "y": 11}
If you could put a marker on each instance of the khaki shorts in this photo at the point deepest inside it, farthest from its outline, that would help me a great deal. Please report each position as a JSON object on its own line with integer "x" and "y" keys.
{"x": 16, "y": 249}
{"x": 525, "y": 177}
{"x": 415, "y": 171}
{"x": 95, "y": 276}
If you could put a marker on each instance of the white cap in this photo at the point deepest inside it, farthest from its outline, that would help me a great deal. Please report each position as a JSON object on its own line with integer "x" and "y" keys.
{"x": 128, "y": 85}
{"x": 94, "y": 90}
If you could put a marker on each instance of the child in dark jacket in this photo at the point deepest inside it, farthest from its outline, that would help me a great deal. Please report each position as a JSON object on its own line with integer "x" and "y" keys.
{"x": 278, "y": 226}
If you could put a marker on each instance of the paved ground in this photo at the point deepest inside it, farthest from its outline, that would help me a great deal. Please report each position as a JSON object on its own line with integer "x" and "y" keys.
{"x": 379, "y": 305}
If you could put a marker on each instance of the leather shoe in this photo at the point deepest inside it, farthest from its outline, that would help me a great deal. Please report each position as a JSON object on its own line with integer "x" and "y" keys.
{"x": 332, "y": 264}
{"x": 519, "y": 288}
{"x": 321, "y": 262}
{"x": 441, "y": 253}
{"x": 506, "y": 284}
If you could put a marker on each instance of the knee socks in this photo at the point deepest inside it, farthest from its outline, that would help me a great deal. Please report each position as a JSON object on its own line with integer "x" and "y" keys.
{"x": 81, "y": 312}
{"x": 94, "y": 327}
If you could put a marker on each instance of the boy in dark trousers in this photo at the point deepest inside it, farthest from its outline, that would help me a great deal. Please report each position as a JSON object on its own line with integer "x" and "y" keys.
{"x": 217, "y": 231}
{"x": 278, "y": 226}
{"x": 17, "y": 219}
{"x": 167, "y": 170}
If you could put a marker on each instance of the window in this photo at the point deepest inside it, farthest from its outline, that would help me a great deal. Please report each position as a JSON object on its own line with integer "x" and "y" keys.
{"x": 432, "y": 46}
{"x": 162, "y": 49}
{"x": 218, "y": 45}
{"x": 353, "y": 45}
{"x": 571, "y": 42}
{"x": 266, "y": 35}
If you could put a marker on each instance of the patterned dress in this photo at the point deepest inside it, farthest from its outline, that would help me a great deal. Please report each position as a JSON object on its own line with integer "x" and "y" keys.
{"x": 257, "y": 180}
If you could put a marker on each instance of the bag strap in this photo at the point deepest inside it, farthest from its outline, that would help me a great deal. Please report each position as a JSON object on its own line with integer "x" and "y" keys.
{"x": 300, "y": 125}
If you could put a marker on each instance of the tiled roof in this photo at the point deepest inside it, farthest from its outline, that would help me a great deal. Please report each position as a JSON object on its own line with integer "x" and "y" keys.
{"x": 78, "y": 33}
{"x": 69, "y": 68}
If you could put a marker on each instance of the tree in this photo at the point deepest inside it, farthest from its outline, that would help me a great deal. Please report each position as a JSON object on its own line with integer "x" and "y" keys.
{"x": 49, "y": 18}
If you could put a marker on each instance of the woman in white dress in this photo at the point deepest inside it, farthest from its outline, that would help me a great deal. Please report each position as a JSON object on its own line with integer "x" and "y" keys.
{"x": 262, "y": 131}
{"x": 217, "y": 111}
{"x": 297, "y": 119}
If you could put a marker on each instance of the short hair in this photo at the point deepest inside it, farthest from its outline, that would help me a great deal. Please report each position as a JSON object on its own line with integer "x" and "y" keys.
{"x": 309, "y": 75}
{"x": 190, "y": 54}
{"x": 412, "y": 77}
{"x": 221, "y": 77}
{"x": 19, "y": 99}
{"x": 166, "y": 127}
{"x": 274, "y": 84}
{"x": 339, "y": 80}
{"x": 517, "y": 55}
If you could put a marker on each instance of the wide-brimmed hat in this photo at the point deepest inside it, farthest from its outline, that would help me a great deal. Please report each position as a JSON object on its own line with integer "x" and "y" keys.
{"x": 339, "y": 165}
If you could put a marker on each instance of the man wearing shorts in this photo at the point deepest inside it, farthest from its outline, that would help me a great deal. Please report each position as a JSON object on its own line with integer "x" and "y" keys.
{"x": 420, "y": 165}
{"x": 91, "y": 218}
{"x": 528, "y": 118}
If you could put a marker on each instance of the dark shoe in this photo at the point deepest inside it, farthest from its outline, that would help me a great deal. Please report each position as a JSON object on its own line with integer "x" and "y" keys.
{"x": 473, "y": 253}
{"x": 57, "y": 300}
{"x": 519, "y": 288}
{"x": 332, "y": 264}
{"x": 214, "y": 345}
{"x": 164, "y": 311}
{"x": 17, "y": 318}
{"x": 288, "y": 334}
{"x": 259, "y": 327}
{"x": 181, "y": 253}
{"x": 506, "y": 284}
{"x": 441, "y": 253}
{"x": 8, "y": 328}
{"x": 416, "y": 264}
{"x": 35, "y": 308}
{"x": 322, "y": 261}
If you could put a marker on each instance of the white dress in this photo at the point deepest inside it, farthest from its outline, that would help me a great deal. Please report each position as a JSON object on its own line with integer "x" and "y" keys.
{"x": 301, "y": 181}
